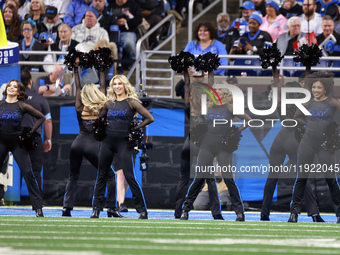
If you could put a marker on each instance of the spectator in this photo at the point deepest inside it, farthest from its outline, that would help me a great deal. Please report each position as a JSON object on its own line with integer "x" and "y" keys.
{"x": 23, "y": 7}
{"x": 39, "y": 103}
{"x": 337, "y": 22}
{"x": 89, "y": 31}
{"x": 14, "y": 3}
{"x": 285, "y": 41}
{"x": 37, "y": 12}
{"x": 65, "y": 43}
{"x": 76, "y": 11}
{"x": 49, "y": 28}
{"x": 274, "y": 23}
{"x": 310, "y": 20}
{"x": 260, "y": 6}
{"x": 129, "y": 16}
{"x": 30, "y": 44}
{"x": 253, "y": 41}
{"x": 327, "y": 7}
{"x": 291, "y": 9}
{"x": 327, "y": 26}
{"x": 241, "y": 24}
{"x": 46, "y": 85}
{"x": 225, "y": 34}
{"x": 152, "y": 11}
{"x": 12, "y": 23}
{"x": 232, "y": 80}
{"x": 61, "y": 5}
{"x": 205, "y": 41}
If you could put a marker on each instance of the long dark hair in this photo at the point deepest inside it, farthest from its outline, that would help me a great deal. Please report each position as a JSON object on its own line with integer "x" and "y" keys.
{"x": 22, "y": 95}
{"x": 209, "y": 26}
{"x": 326, "y": 78}
{"x": 14, "y": 28}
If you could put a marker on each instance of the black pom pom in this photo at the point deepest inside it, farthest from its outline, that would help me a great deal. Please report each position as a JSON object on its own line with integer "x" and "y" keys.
{"x": 308, "y": 55}
{"x": 99, "y": 127}
{"x": 86, "y": 60}
{"x": 332, "y": 139}
{"x": 270, "y": 56}
{"x": 207, "y": 62}
{"x": 70, "y": 58}
{"x": 299, "y": 132}
{"x": 182, "y": 61}
{"x": 135, "y": 136}
{"x": 28, "y": 140}
{"x": 232, "y": 140}
{"x": 102, "y": 58}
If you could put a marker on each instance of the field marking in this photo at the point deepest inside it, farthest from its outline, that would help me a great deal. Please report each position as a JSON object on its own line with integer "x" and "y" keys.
{"x": 303, "y": 242}
{"x": 183, "y": 248}
{"x": 10, "y": 251}
{"x": 152, "y": 234}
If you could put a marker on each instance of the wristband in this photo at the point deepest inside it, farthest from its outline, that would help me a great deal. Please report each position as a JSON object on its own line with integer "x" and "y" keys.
{"x": 48, "y": 87}
{"x": 47, "y": 140}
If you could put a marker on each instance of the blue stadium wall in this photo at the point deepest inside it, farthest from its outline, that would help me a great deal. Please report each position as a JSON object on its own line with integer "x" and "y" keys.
{"x": 167, "y": 134}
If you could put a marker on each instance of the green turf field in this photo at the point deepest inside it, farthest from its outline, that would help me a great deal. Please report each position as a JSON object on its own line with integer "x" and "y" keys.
{"x": 30, "y": 235}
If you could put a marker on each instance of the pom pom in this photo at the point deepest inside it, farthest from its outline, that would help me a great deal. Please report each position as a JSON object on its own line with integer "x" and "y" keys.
{"x": 70, "y": 58}
{"x": 270, "y": 56}
{"x": 207, "y": 62}
{"x": 103, "y": 59}
{"x": 28, "y": 140}
{"x": 135, "y": 135}
{"x": 197, "y": 131}
{"x": 299, "y": 132}
{"x": 86, "y": 60}
{"x": 99, "y": 127}
{"x": 182, "y": 61}
{"x": 332, "y": 139}
{"x": 308, "y": 55}
{"x": 232, "y": 140}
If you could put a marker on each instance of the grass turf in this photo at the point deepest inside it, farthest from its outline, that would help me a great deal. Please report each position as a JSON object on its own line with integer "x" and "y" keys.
{"x": 56, "y": 235}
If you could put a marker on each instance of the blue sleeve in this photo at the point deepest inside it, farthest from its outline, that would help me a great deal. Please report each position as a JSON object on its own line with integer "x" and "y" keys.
{"x": 69, "y": 15}
{"x": 190, "y": 48}
{"x": 224, "y": 61}
{"x": 233, "y": 25}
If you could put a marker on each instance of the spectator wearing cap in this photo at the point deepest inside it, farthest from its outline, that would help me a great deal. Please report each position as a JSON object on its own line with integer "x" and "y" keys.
{"x": 310, "y": 20}
{"x": 255, "y": 40}
{"x": 61, "y": 5}
{"x": 286, "y": 40}
{"x": 48, "y": 31}
{"x": 76, "y": 11}
{"x": 232, "y": 80}
{"x": 89, "y": 31}
{"x": 274, "y": 23}
{"x": 260, "y": 6}
{"x": 291, "y": 9}
{"x": 247, "y": 8}
{"x": 225, "y": 34}
{"x": 327, "y": 7}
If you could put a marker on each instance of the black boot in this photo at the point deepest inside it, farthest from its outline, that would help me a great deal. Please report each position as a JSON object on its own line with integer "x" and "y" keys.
{"x": 39, "y": 212}
{"x": 184, "y": 215}
{"x": 317, "y": 218}
{"x": 240, "y": 217}
{"x": 218, "y": 217}
{"x": 143, "y": 216}
{"x": 66, "y": 212}
{"x": 113, "y": 212}
{"x": 95, "y": 214}
{"x": 265, "y": 217}
{"x": 338, "y": 221}
{"x": 293, "y": 217}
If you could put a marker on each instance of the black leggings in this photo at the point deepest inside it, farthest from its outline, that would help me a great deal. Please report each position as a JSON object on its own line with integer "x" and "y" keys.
{"x": 116, "y": 144}
{"x": 309, "y": 147}
{"x": 284, "y": 144}
{"x": 211, "y": 147}
{"x": 10, "y": 143}
{"x": 37, "y": 159}
{"x": 86, "y": 146}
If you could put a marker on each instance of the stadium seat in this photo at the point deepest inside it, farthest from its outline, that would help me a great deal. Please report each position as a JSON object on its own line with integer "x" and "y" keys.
{"x": 336, "y": 63}
{"x": 323, "y": 63}
{"x": 246, "y": 62}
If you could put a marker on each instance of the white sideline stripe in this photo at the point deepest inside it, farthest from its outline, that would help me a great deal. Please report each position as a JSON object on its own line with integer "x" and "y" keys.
{"x": 178, "y": 222}
{"x": 181, "y": 248}
{"x": 198, "y": 228}
{"x": 10, "y": 251}
{"x": 153, "y": 233}
{"x": 320, "y": 243}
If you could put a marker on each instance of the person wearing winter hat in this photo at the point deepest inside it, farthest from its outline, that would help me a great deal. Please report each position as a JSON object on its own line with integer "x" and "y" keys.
{"x": 247, "y": 8}
{"x": 274, "y": 23}
{"x": 253, "y": 41}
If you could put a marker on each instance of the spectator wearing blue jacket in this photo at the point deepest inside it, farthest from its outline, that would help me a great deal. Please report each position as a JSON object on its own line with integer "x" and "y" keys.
{"x": 75, "y": 12}
{"x": 205, "y": 41}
